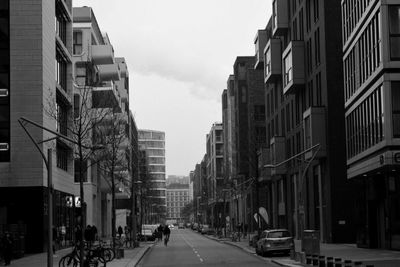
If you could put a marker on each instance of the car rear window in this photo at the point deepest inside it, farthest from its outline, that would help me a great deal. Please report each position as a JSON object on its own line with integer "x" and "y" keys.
{"x": 279, "y": 234}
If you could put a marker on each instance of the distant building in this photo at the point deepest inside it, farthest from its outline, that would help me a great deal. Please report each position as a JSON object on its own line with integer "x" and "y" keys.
{"x": 177, "y": 199}
{"x": 177, "y": 179}
{"x": 153, "y": 143}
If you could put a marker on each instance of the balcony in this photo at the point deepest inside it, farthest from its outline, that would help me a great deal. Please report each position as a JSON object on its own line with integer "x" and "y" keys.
{"x": 277, "y": 154}
{"x": 106, "y": 96}
{"x": 109, "y": 72}
{"x": 102, "y": 54}
{"x": 273, "y": 60}
{"x": 293, "y": 67}
{"x": 280, "y": 17}
{"x": 259, "y": 42}
{"x": 314, "y": 131}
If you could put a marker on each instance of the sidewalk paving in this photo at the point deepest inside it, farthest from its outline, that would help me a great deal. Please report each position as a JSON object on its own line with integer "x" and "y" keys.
{"x": 375, "y": 257}
{"x": 131, "y": 257}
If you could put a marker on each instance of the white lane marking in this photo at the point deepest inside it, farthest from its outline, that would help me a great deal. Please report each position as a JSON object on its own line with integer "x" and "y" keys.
{"x": 190, "y": 245}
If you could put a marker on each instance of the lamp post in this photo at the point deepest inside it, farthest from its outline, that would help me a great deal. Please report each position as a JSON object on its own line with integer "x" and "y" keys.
{"x": 299, "y": 202}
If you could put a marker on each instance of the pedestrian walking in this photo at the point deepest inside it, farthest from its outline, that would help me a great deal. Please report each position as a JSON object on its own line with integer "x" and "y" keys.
{"x": 94, "y": 233}
{"x": 120, "y": 231}
{"x": 127, "y": 236}
{"x": 160, "y": 232}
{"x": 167, "y": 233}
{"x": 7, "y": 243}
{"x": 78, "y": 234}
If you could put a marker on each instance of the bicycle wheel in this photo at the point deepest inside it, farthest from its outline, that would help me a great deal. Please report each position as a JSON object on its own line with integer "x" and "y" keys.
{"x": 108, "y": 254}
{"x": 68, "y": 261}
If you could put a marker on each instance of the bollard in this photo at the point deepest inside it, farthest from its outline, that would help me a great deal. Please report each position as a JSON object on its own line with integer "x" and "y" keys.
{"x": 315, "y": 260}
{"x": 308, "y": 259}
{"x": 347, "y": 263}
{"x": 338, "y": 262}
{"x": 321, "y": 261}
{"x": 329, "y": 262}
{"x": 357, "y": 264}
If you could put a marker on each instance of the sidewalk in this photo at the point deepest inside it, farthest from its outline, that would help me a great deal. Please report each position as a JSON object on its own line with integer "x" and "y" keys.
{"x": 375, "y": 257}
{"x": 131, "y": 257}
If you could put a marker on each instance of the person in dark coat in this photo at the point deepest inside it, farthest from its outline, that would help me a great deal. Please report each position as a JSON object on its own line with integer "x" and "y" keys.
{"x": 78, "y": 234}
{"x": 167, "y": 233}
{"x": 94, "y": 233}
{"x": 160, "y": 232}
{"x": 7, "y": 246}
{"x": 120, "y": 231}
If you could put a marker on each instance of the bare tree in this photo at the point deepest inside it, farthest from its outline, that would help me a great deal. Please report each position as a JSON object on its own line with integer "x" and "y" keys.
{"x": 79, "y": 124}
{"x": 114, "y": 162}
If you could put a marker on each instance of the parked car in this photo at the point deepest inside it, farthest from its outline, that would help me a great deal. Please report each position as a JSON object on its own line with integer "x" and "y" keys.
{"x": 171, "y": 226}
{"x": 195, "y": 226}
{"x": 199, "y": 228}
{"x": 276, "y": 240}
{"x": 146, "y": 234}
{"x": 206, "y": 229}
{"x": 181, "y": 226}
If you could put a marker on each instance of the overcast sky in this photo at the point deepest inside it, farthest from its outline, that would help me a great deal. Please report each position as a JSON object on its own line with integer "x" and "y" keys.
{"x": 179, "y": 55}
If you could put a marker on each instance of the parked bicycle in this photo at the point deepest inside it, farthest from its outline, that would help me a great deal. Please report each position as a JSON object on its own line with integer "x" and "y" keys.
{"x": 91, "y": 258}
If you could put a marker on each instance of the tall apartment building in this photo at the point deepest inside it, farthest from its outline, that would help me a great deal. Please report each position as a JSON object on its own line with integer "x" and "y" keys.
{"x": 215, "y": 172}
{"x": 153, "y": 143}
{"x": 35, "y": 75}
{"x": 306, "y": 185}
{"x": 102, "y": 87}
{"x": 243, "y": 109}
{"x": 370, "y": 33}
{"x": 177, "y": 199}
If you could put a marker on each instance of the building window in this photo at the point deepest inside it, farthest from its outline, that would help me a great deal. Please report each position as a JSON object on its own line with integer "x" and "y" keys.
{"x": 61, "y": 24}
{"x": 308, "y": 15}
{"x": 318, "y": 89}
{"x": 288, "y": 69}
{"x": 317, "y": 47}
{"x": 394, "y": 18}
{"x": 274, "y": 14}
{"x": 396, "y": 109}
{"x": 61, "y": 70}
{"x": 77, "y": 46}
{"x": 62, "y": 118}
{"x": 316, "y": 10}
{"x": 365, "y": 124}
{"x": 301, "y": 25}
{"x": 62, "y": 157}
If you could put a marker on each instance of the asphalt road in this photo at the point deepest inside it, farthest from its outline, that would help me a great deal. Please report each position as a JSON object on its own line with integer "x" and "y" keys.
{"x": 188, "y": 248}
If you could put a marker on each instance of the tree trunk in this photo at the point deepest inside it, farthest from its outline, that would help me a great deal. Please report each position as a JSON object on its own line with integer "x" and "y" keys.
{"x": 113, "y": 219}
{"x": 83, "y": 205}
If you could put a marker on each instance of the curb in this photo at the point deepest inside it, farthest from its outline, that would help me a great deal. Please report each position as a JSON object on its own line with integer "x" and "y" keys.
{"x": 284, "y": 264}
{"x": 238, "y": 246}
{"x": 133, "y": 263}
